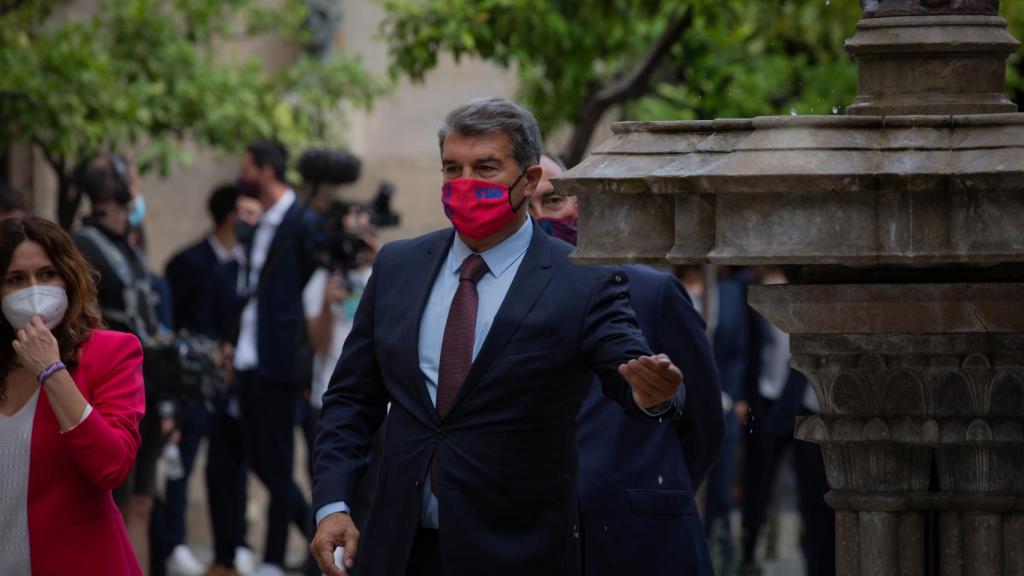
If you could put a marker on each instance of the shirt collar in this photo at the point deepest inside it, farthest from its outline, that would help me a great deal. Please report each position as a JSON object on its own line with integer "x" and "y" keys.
{"x": 276, "y": 213}
{"x": 223, "y": 254}
{"x": 498, "y": 258}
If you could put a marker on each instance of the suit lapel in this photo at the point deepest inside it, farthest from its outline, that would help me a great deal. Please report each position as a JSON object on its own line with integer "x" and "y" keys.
{"x": 423, "y": 278}
{"x": 531, "y": 279}
{"x": 282, "y": 234}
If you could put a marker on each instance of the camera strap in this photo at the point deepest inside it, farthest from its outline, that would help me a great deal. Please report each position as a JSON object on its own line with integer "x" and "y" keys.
{"x": 133, "y": 288}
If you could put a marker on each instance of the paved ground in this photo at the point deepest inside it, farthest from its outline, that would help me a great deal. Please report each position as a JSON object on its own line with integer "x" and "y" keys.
{"x": 199, "y": 536}
{"x": 786, "y": 560}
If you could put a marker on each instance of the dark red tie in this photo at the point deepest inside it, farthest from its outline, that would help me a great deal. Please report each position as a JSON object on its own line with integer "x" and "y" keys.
{"x": 457, "y": 346}
{"x": 459, "y": 333}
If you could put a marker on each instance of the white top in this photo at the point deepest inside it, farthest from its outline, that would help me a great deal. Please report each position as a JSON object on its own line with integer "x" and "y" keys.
{"x": 344, "y": 312}
{"x": 246, "y": 354}
{"x": 15, "y": 445}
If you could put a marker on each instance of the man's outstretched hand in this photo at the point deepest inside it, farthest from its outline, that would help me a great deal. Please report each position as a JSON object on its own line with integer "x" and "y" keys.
{"x": 654, "y": 379}
{"x": 336, "y": 530}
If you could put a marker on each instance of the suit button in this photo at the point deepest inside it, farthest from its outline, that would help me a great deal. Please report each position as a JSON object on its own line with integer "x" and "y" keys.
{"x": 618, "y": 278}
{"x": 442, "y": 433}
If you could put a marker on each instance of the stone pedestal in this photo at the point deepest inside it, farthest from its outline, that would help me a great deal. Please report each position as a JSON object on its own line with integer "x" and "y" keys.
{"x": 921, "y": 390}
{"x": 904, "y": 226}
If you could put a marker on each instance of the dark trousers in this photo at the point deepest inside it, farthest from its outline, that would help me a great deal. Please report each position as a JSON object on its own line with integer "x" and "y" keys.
{"x": 765, "y": 453}
{"x": 193, "y": 426}
{"x": 718, "y": 509}
{"x": 226, "y": 479}
{"x": 425, "y": 556}
{"x": 268, "y": 421}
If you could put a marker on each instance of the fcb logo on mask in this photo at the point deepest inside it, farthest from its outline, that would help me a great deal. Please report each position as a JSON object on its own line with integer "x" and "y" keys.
{"x": 478, "y": 208}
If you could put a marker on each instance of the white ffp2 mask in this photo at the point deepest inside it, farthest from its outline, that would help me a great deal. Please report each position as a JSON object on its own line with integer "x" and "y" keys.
{"x": 48, "y": 302}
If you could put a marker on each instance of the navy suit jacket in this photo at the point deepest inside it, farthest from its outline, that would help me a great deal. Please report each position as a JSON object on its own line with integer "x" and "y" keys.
{"x": 638, "y": 478}
{"x": 191, "y": 275}
{"x": 282, "y": 336}
{"x": 732, "y": 338}
{"x": 506, "y": 482}
{"x": 780, "y": 420}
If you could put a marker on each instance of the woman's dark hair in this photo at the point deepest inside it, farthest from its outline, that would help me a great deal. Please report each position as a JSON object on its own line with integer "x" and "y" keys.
{"x": 82, "y": 316}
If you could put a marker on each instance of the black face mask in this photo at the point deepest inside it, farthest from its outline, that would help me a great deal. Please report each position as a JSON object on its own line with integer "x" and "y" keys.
{"x": 244, "y": 231}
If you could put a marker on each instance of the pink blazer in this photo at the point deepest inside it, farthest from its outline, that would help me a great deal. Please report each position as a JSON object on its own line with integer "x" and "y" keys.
{"x": 73, "y": 525}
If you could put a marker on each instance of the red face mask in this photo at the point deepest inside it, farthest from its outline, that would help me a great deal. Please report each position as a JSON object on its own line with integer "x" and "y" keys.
{"x": 478, "y": 208}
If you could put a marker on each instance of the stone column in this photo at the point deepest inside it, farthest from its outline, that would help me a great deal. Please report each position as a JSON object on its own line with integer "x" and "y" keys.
{"x": 904, "y": 224}
{"x": 931, "y": 57}
{"x": 921, "y": 389}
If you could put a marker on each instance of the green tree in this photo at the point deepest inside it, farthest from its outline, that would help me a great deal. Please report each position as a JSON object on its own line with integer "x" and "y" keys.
{"x": 648, "y": 59}
{"x": 1013, "y": 12}
{"x": 155, "y": 74}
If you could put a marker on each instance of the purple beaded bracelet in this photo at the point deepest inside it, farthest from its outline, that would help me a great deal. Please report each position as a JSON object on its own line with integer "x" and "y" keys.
{"x": 50, "y": 371}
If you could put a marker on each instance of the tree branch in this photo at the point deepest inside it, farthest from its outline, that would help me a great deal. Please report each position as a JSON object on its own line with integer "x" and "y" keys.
{"x": 631, "y": 86}
{"x": 634, "y": 84}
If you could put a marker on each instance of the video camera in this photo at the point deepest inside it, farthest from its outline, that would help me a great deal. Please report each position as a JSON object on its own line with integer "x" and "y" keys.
{"x": 183, "y": 367}
{"x": 339, "y": 240}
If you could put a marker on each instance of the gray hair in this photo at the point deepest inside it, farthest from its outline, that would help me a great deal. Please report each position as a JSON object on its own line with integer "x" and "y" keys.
{"x": 489, "y": 115}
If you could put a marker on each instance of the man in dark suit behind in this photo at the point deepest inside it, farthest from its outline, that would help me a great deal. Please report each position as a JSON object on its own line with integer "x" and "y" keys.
{"x": 637, "y": 479}
{"x": 483, "y": 339}
{"x": 268, "y": 358}
{"x": 190, "y": 273}
{"x": 192, "y": 277}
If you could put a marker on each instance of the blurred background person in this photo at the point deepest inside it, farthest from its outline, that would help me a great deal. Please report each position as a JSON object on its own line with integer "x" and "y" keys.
{"x": 226, "y": 470}
{"x": 128, "y": 303}
{"x": 332, "y": 294}
{"x": 12, "y": 203}
{"x": 638, "y": 479}
{"x": 725, "y": 306}
{"x": 191, "y": 276}
{"x": 780, "y": 394}
{"x": 71, "y": 398}
{"x": 556, "y": 213}
{"x": 269, "y": 365}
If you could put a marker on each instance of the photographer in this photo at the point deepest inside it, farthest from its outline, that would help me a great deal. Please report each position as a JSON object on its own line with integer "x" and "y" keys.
{"x": 332, "y": 294}
{"x": 127, "y": 303}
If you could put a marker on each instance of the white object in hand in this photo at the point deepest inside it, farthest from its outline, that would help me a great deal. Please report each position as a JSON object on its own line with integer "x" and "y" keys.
{"x": 339, "y": 555}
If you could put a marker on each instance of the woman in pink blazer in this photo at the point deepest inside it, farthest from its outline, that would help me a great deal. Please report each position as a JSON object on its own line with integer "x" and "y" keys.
{"x": 71, "y": 398}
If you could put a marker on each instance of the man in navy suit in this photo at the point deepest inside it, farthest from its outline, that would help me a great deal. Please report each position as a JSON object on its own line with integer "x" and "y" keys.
{"x": 268, "y": 359}
{"x": 780, "y": 394}
{"x": 190, "y": 273}
{"x": 637, "y": 478}
{"x": 483, "y": 340}
{"x": 190, "y": 277}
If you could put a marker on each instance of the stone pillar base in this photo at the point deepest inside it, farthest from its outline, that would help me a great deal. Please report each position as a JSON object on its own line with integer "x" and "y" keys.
{"x": 922, "y": 418}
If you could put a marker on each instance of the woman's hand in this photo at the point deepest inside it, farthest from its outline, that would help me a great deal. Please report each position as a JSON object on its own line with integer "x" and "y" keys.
{"x": 36, "y": 347}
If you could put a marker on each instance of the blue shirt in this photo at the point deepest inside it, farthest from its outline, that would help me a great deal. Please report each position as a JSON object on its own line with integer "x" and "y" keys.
{"x": 503, "y": 262}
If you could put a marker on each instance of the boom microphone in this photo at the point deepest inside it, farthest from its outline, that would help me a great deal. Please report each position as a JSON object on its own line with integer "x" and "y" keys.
{"x": 325, "y": 166}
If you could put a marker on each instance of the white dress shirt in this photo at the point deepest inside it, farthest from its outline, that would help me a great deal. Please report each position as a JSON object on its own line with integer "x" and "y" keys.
{"x": 246, "y": 354}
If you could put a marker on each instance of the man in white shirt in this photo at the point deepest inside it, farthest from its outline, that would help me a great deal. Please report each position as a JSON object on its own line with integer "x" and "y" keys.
{"x": 269, "y": 365}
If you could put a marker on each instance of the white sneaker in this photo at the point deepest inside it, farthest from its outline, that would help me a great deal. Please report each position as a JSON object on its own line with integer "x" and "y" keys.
{"x": 182, "y": 562}
{"x": 268, "y": 570}
{"x": 245, "y": 561}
